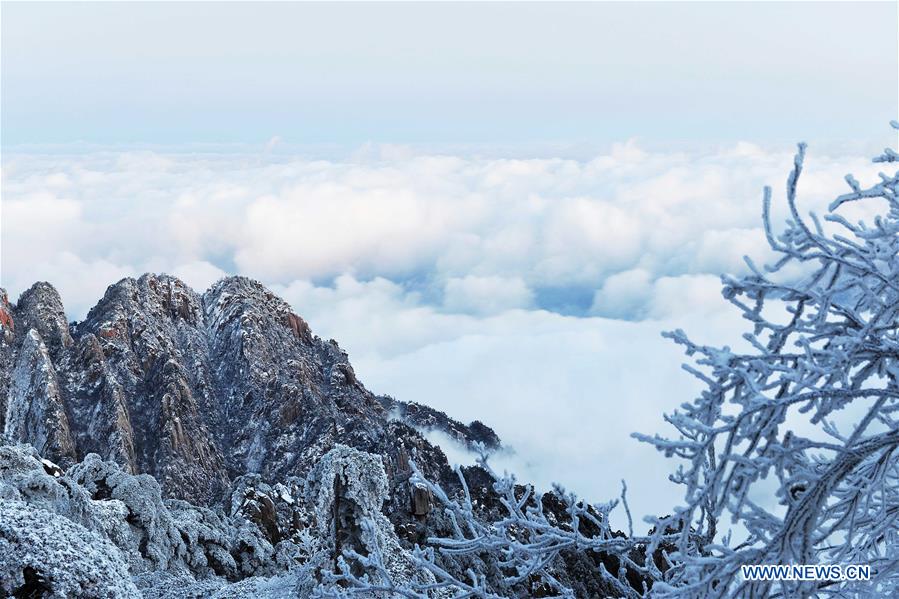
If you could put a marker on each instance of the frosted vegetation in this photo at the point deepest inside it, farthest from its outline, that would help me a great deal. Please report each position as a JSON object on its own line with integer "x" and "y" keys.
{"x": 787, "y": 456}
{"x": 97, "y": 531}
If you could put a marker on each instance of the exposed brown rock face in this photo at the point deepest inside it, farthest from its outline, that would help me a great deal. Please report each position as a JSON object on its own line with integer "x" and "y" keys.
{"x": 299, "y": 327}
{"x": 6, "y": 321}
{"x": 421, "y": 500}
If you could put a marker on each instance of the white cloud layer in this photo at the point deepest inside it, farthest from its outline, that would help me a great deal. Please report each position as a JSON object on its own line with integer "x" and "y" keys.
{"x": 477, "y": 234}
{"x": 528, "y": 293}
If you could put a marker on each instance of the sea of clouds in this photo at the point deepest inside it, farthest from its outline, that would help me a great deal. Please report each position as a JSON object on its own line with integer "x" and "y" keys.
{"x": 527, "y": 293}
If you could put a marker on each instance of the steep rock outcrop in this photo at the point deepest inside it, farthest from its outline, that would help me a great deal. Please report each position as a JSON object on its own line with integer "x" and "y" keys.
{"x": 40, "y": 308}
{"x": 98, "y": 404}
{"x": 34, "y": 408}
{"x": 198, "y": 390}
{"x": 150, "y": 333}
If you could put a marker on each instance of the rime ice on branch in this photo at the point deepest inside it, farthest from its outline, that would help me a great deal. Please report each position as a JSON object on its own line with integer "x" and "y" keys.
{"x": 772, "y": 412}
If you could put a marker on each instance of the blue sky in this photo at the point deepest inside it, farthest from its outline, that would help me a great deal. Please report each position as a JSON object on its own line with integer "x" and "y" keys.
{"x": 495, "y": 208}
{"x": 345, "y": 73}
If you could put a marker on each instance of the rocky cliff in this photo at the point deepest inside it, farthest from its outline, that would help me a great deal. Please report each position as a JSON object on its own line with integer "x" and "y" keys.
{"x": 193, "y": 389}
{"x": 195, "y": 437}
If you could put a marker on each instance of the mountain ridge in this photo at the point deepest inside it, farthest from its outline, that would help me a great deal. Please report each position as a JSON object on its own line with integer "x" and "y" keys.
{"x": 212, "y": 443}
{"x": 194, "y": 389}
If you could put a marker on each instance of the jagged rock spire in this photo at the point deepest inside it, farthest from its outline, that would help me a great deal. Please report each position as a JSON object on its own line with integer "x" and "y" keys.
{"x": 195, "y": 389}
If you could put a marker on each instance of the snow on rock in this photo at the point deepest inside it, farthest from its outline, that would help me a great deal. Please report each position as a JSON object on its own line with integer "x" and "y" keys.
{"x": 34, "y": 409}
{"x": 266, "y": 540}
{"x": 43, "y": 554}
{"x": 41, "y": 309}
{"x": 157, "y": 539}
{"x": 203, "y": 438}
{"x": 347, "y": 489}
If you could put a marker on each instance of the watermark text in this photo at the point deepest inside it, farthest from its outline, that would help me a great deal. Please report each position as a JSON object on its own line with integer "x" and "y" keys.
{"x": 803, "y": 572}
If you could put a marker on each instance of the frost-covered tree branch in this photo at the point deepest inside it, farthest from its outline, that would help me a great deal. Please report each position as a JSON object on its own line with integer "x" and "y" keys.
{"x": 812, "y": 405}
{"x": 526, "y": 544}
